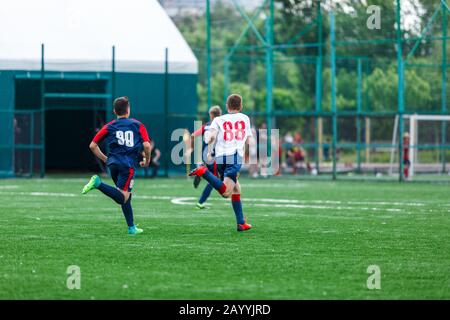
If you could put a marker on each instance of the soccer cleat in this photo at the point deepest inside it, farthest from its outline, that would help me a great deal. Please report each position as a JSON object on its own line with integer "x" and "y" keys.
{"x": 92, "y": 184}
{"x": 197, "y": 181}
{"x": 134, "y": 230}
{"x": 200, "y": 171}
{"x": 244, "y": 227}
{"x": 200, "y": 206}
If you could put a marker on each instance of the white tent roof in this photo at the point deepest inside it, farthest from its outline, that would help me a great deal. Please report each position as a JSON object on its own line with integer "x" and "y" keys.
{"x": 79, "y": 34}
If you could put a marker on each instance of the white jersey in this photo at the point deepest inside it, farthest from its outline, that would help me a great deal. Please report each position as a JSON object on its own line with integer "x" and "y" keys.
{"x": 233, "y": 130}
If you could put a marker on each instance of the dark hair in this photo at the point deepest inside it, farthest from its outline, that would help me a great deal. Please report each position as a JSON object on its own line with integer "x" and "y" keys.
{"x": 234, "y": 102}
{"x": 215, "y": 111}
{"x": 121, "y": 105}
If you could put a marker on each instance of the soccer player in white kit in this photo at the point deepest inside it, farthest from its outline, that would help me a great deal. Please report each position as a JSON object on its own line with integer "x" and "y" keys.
{"x": 228, "y": 136}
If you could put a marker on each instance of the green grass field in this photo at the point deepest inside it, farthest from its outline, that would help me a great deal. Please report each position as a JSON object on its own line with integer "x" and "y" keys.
{"x": 311, "y": 240}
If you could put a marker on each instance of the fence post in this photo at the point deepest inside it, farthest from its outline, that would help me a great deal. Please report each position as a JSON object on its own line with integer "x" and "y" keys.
{"x": 208, "y": 54}
{"x": 226, "y": 79}
{"x": 444, "y": 84}
{"x": 358, "y": 116}
{"x": 113, "y": 77}
{"x": 318, "y": 119}
{"x": 42, "y": 169}
{"x": 269, "y": 79}
{"x": 32, "y": 115}
{"x": 166, "y": 112}
{"x": 333, "y": 92}
{"x": 400, "y": 91}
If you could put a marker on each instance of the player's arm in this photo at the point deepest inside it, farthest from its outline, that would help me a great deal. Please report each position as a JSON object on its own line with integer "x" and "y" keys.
{"x": 94, "y": 144}
{"x": 212, "y": 137}
{"x": 147, "y": 146}
{"x": 97, "y": 152}
{"x": 200, "y": 131}
{"x": 147, "y": 151}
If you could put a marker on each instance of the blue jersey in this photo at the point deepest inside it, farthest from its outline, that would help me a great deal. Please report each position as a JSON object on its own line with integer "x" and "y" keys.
{"x": 124, "y": 138}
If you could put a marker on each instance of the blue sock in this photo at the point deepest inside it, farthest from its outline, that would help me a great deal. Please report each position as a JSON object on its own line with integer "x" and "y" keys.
{"x": 215, "y": 182}
{"x": 112, "y": 192}
{"x": 128, "y": 212}
{"x": 205, "y": 194}
{"x": 237, "y": 207}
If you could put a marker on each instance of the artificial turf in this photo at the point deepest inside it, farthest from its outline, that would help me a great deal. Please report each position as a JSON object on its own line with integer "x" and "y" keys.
{"x": 311, "y": 240}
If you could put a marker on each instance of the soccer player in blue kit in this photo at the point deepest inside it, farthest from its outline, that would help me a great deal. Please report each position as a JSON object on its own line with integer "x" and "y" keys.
{"x": 126, "y": 139}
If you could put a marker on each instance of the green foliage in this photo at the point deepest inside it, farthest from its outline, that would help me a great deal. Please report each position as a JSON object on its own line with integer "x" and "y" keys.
{"x": 381, "y": 86}
{"x": 295, "y": 80}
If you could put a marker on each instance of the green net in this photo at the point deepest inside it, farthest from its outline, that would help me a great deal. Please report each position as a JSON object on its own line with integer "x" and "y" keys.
{"x": 345, "y": 106}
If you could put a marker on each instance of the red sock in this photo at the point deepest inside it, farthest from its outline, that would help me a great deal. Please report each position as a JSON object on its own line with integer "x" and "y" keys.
{"x": 237, "y": 207}
{"x": 222, "y": 188}
{"x": 405, "y": 172}
{"x": 235, "y": 197}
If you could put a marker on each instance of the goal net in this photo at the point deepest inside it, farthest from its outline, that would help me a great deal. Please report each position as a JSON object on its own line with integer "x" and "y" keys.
{"x": 425, "y": 142}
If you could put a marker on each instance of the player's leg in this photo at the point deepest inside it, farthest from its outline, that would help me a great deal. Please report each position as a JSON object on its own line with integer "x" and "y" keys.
{"x": 121, "y": 193}
{"x": 229, "y": 186}
{"x": 197, "y": 181}
{"x": 225, "y": 187}
{"x": 215, "y": 182}
{"x": 96, "y": 183}
{"x": 208, "y": 188}
{"x": 124, "y": 183}
{"x": 406, "y": 168}
{"x": 242, "y": 224}
{"x": 231, "y": 173}
{"x": 204, "y": 196}
{"x": 237, "y": 205}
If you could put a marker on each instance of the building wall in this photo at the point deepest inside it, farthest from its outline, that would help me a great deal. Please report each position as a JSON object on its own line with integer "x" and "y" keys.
{"x": 6, "y": 122}
{"x": 146, "y": 92}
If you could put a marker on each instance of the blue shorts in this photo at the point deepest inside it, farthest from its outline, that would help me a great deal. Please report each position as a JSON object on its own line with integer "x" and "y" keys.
{"x": 229, "y": 166}
{"x": 122, "y": 176}
{"x": 212, "y": 168}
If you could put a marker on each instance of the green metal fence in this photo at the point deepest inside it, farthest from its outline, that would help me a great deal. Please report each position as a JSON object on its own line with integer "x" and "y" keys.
{"x": 360, "y": 84}
{"x": 49, "y": 117}
{"x": 25, "y": 144}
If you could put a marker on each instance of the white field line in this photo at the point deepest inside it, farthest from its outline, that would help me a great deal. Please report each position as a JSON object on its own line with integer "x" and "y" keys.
{"x": 191, "y": 201}
{"x": 39, "y": 194}
{"x": 308, "y": 202}
{"x": 325, "y": 207}
{"x": 274, "y": 185}
{"x": 381, "y": 203}
{"x": 8, "y": 187}
{"x": 71, "y": 195}
{"x": 277, "y": 203}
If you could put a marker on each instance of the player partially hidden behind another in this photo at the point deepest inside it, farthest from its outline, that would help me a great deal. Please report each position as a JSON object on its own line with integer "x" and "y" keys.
{"x": 228, "y": 137}
{"x": 125, "y": 137}
{"x": 204, "y": 131}
{"x": 406, "y": 162}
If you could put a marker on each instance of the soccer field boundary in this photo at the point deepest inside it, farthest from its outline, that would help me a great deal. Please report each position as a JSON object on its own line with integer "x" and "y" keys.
{"x": 304, "y": 242}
